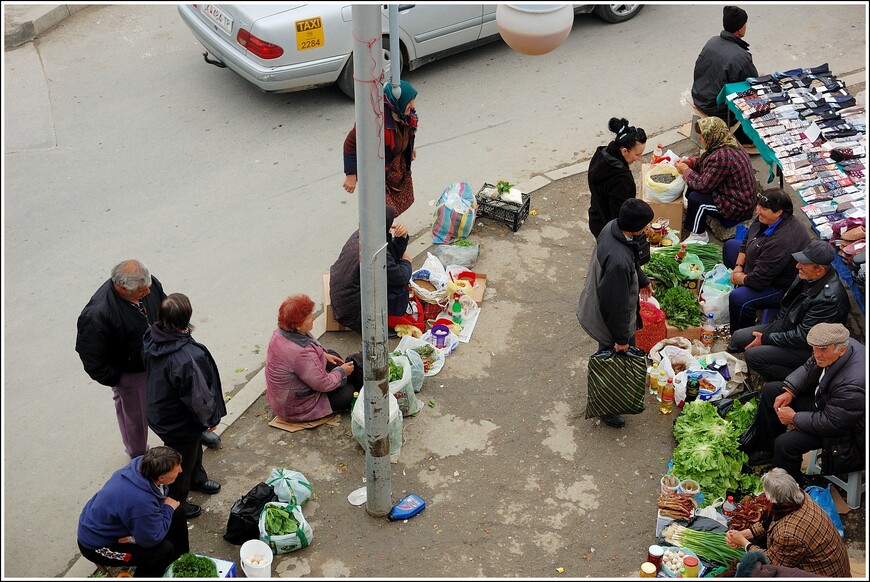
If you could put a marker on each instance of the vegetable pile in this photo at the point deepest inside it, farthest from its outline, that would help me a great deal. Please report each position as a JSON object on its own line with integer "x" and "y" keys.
{"x": 462, "y": 242}
{"x": 709, "y": 545}
{"x": 710, "y": 255}
{"x": 664, "y": 269}
{"x": 427, "y": 354}
{"x": 681, "y": 307}
{"x": 279, "y": 521}
{"x": 707, "y": 449}
{"x": 677, "y": 506}
{"x": 749, "y": 511}
{"x": 396, "y": 370}
{"x": 190, "y": 565}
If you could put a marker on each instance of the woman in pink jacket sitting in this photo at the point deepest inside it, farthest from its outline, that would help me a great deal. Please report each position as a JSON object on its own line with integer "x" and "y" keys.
{"x": 304, "y": 381}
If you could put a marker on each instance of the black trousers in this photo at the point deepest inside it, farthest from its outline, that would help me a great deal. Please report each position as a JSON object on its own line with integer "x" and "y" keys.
{"x": 788, "y": 446}
{"x": 191, "y": 468}
{"x": 772, "y": 362}
{"x": 150, "y": 562}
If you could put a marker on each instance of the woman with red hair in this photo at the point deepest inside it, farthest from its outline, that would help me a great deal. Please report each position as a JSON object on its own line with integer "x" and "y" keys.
{"x": 304, "y": 381}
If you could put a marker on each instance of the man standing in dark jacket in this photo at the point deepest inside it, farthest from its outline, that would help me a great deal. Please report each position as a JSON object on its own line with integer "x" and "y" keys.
{"x": 824, "y": 400}
{"x": 609, "y": 306}
{"x": 816, "y": 296}
{"x": 109, "y": 343}
{"x": 724, "y": 59}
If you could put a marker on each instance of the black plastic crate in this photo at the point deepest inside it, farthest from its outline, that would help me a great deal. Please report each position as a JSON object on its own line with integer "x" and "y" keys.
{"x": 509, "y": 213}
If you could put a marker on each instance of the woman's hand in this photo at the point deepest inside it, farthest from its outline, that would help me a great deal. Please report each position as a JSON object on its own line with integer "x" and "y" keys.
{"x": 413, "y": 154}
{"x": 333, "y": 359}
{"x": 350, "y": 183}
{"x": 400, "y": 230}
{"x": 736, "y": 539}
{"x": 348, "y": 368}
{"x": 681, "y": 166}
{"x": 738, "y": 277}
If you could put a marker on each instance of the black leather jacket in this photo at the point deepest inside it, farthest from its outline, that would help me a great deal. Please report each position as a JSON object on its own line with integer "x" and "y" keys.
{"x": 804, "y": 305}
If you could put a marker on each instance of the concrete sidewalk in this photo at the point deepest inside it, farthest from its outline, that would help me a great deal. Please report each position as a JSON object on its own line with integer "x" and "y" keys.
{"x": 26, "y": 22}
{"x": 517, "y": 482}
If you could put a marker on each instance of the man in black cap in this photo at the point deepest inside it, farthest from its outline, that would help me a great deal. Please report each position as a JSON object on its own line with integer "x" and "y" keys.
{"x": 724, "y": 59}
{"x": 823, "y": 401}
{"x": 609, "y": 306}
{"x": 816, "y": 296}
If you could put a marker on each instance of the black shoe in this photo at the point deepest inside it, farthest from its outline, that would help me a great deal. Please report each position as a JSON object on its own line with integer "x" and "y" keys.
{"x": 760, "y": 458}
{"x": 211, "y": 440}
{"x": 210, "y": 487}
{"x": 192, "y": 510}
{"x": 732, "y": 349}
{"x": 614, "y": 420}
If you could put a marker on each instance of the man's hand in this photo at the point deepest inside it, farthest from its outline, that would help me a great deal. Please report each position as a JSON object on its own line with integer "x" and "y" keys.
{"x": 755, "y": 342}
{"x": 783, "y": 399}
{"x": 646, "y": 292}
{"x": 127, "y": 540}
{"x": 350, "y": 183}
{"x": 171, "y": 503}
{"x": 620, "y": 347}
{"x": 785, "y": 414}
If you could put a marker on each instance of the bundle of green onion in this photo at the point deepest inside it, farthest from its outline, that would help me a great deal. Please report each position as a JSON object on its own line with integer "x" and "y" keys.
{"x": 709, "y": 545}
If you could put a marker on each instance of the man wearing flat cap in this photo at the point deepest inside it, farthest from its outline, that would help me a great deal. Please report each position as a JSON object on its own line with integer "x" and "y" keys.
{"x": 823, "y": 401}
{"x": 775, "y": 349}
{"x": 724, "y": 59}
{"x": 609, "y": 306}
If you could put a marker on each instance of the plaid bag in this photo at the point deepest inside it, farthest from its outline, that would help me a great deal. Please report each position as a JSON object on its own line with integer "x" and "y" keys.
{"x": 454, "y": 214}
{"x": 616, "y": 383}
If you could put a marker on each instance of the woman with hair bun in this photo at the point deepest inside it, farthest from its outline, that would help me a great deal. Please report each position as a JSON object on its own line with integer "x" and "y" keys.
{"x": 610, "y": 180}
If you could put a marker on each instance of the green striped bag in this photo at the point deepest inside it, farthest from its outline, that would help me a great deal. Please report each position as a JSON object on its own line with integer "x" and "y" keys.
{"x": 291, "y": 541}
{"x": 616, "y": 383}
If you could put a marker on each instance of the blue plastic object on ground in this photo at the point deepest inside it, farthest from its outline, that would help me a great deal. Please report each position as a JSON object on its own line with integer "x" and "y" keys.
{"x": 407, "y": 508}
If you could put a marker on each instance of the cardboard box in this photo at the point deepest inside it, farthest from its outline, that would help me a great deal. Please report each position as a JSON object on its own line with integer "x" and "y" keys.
{"x": 479, "y": 288}
{"x": 331, "y": 324}
{"x": 673, "y": 211}
{"x": 690, "y": 333}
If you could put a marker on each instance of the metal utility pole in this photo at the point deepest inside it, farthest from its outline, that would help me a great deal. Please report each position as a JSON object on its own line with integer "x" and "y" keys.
{"x": 369, "y": 108}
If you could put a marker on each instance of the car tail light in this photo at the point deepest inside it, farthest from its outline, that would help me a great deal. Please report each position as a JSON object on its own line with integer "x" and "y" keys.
{"x": 261, "y": 48}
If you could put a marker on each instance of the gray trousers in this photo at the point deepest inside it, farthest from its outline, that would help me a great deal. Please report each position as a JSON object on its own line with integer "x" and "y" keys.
{"x": 131, "y": 409}
{"x": 772, "y": 362}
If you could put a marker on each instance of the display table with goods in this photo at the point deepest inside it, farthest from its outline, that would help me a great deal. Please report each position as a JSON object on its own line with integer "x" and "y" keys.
{"x": 809, "y": 130}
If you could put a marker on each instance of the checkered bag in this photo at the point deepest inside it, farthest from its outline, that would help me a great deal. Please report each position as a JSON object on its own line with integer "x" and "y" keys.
{"x": 616, "y": 383}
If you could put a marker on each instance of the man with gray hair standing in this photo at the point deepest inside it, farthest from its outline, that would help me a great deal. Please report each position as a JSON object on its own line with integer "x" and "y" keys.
{"x": 109, "y": 343}
{"x": 824, "y": 402}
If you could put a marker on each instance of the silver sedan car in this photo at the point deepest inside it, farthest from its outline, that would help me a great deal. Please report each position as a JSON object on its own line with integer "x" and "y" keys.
{"x": 291, "y": 47}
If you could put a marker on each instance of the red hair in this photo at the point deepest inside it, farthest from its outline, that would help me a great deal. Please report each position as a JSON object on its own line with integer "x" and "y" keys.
{"x": 293, "y": 311}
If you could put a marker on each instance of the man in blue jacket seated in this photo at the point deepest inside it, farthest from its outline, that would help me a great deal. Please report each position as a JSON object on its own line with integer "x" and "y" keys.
{"x": 824, "y": 402}
{"x": 131, "y": 521}
{"x": 775, "y": 349}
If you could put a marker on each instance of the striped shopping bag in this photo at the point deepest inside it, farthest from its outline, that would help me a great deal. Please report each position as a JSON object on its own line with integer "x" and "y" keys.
{"x": 616, "y": 383}
{"x": 454, "y": 214}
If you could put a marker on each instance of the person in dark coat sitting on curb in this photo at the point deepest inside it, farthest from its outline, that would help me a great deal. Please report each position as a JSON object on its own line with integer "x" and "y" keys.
{"x": 797, "y": 533}
{"x": 609, "y": 306}
{"x": 824, "y": 400}
{"x": 610, "y": 179}
{"x": 775, "y": 349}
{"x": 756, "y": 565}
{"x": 344, "y": 276}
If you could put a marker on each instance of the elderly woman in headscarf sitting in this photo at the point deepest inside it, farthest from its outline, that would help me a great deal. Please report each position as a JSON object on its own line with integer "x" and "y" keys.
{"x": 400, "y": 126}
{"x": 721, "y": 181}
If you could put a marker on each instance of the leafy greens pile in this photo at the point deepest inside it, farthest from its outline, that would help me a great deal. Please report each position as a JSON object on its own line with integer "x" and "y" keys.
{"x": 190, "y": 565}
{"x": 707, "y": 449}
{"x": 280, "y": 521}
{"x": 681, "y": 306}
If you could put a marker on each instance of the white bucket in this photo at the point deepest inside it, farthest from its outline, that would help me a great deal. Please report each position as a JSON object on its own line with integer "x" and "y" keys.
{"x": 256, "y": 548}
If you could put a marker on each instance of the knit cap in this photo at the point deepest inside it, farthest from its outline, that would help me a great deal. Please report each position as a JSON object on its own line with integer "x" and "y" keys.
{"x": 733, "y": 18}
{"x": 634, "y": 215}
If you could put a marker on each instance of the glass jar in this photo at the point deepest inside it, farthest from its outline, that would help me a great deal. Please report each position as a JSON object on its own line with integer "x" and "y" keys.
{"x": 690, "y": 563}
{"x": 654, "y": 556}
{"x": 647, "y": 570}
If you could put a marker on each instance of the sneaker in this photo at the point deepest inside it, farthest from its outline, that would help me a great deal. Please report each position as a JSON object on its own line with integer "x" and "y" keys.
{"x": 760, "y": 458}
{"x": 614, "y": 420}
{"x": 211, "y": 440}
{"x": 702, "y": 238}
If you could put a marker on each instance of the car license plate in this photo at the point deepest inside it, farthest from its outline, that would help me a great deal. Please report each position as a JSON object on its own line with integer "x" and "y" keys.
{"x": 218, "y": 17}
{"x": 309, "y": 33}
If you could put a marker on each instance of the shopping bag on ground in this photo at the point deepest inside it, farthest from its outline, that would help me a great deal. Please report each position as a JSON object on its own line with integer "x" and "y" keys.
{"x": 284, "y": 527}
{"x": 822, "y": 496}
{"x": 242, "y": 524}
{"x": 616, "y": 383}
{"x": 663, "y": 183}
{"x": 454, "y": 214}
{"x": 290, "y": 486}
{"x": 654, "y": 326}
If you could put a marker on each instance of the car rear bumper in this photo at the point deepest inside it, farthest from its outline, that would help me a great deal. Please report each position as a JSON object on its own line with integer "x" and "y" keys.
{"x": 270, "y": 79}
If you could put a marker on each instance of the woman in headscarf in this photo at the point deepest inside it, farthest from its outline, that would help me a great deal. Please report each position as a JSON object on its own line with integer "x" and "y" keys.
{"x": 721, "y": 181}
{"x": 400, "y": 127}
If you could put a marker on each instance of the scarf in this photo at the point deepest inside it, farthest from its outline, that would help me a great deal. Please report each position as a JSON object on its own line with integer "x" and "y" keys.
{"x": 397, "y": 106}
{"x": 716, "y": 135}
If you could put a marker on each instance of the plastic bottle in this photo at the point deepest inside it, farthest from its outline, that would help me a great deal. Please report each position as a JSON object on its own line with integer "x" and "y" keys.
{"x": 457, "y": 309}
{"x": 708, "y": 331}
{"x": 660, "y": 384}
{"x": 652, "y": 373}
{"x": 681, "y": 254}
{"x": 693, "y": 387}
{"x": 667, "y": 405}
{"x": 690, "y": 563}
{"x": 728, "y": 508}
{"x": 658, "y": 154}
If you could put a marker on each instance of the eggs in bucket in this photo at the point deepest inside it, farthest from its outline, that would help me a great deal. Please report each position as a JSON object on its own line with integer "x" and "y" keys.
{"x": 256, "y": 557}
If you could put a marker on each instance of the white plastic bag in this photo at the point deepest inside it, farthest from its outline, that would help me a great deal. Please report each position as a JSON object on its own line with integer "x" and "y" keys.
{"x": 432, "y": 271}
{"x": 282, "y": 544}
{"x": 713, "y": 296}
{"x": 707, "y": 378}
{"x": 403, "y": 390}
{"x": 659, "y": 192}
{"x": 418, "y": 370}
{"x": 358, "y": 424}
{"x": 436, "y": 360}
{"x": 679, "y": 358}
{"x": 290, "y": 486}
{"x": 711, "y": 513}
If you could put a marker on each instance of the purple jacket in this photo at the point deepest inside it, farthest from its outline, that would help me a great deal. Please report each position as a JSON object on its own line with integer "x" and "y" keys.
{"x": 296, "y": 377}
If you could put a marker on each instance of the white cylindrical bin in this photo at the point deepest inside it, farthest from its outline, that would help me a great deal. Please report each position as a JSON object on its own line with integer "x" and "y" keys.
{"x": 260, "y": 554}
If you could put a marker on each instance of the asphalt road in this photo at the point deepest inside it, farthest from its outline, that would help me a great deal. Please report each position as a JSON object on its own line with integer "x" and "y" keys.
{"x": 119, "y": 142}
